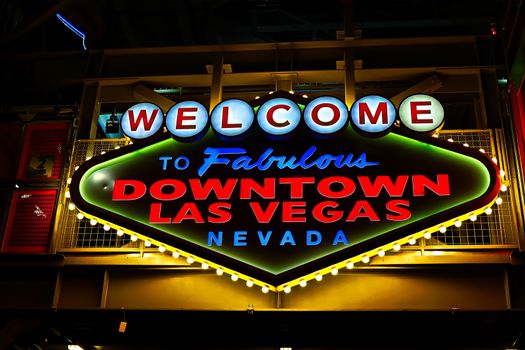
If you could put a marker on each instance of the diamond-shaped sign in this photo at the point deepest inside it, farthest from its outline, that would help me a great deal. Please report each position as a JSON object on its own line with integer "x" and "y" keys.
{"x": 277, "y": 210}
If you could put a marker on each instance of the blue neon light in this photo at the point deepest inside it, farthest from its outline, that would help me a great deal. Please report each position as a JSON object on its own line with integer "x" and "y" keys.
{"x": 216, "y": 156}
{"x": 73, "y": 29}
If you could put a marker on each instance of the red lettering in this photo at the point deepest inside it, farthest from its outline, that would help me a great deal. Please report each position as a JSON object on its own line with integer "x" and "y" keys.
{"x": 382, "y": 181}
{"x": 120, "y": 187}
{"x": 291, "y": 209}
{"x": 296, "y": 185}
{"x": 415, "y": 112}
{"x": 362, "y": 209}
{"x": 421, "y": 182}
{"x": 188, "y": 211}
{"x": 181, "y": 118}
{"x": 399, "y": 208}
{"x": 272, "y": 121}
{"x": 335, "y": 118}
{"x": 347, "y": 187}
{"x": 154, "y": 215}
{"x": 225, "y": 124}
{"x": 330, "y": 215}
{"x": 221, "y": 210}
{"x": 364, "y": 111}
{"x": 266, "y": 191}
{"x": 142, "y": 119}
{"x": 202, "y": 192}
{"x": 156, "y": 190}
{"x": 264, "y": 216}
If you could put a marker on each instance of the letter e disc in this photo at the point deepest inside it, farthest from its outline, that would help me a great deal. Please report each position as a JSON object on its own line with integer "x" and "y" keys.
{"x": 326, "y": 115}
{"x": 421, "y": 113}
{"x": 187, "y": 119}
{"x": 141, "y": 120}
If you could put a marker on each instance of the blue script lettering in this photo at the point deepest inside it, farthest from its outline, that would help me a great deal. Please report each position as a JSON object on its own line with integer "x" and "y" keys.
{"x": 219, "y": 156}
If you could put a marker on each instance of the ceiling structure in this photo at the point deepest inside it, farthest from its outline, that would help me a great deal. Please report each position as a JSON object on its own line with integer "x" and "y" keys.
{"x": 29, "y": 26}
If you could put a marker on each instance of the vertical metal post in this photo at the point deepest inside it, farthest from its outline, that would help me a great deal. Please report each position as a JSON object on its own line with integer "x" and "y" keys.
{"x": 104, "y": 294}
{"x": 89, "y": 111}
{"x": 216, "y": 81}
{"x": 58, "y": 289}
{"x": 349, "y": 78}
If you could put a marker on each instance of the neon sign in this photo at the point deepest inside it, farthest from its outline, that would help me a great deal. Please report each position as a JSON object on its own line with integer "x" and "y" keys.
{"x": 281, "y": 192}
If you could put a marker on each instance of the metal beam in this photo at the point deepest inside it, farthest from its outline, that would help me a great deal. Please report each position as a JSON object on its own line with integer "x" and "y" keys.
{"x": 427, "y": 85}
{"x": 144, "y": 93}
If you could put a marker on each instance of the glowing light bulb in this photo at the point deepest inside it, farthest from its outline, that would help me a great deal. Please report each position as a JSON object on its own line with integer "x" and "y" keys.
{"x": 334, "y": 271}
{"x": 499, "y": 201}
{"x": 305, "y": 96}
{"x": 249, "y": 283}
{"x": 120, "y": 233}
{"x": 482, "y": 150}
{"x": 190, "y": 260}
{"x": 219, "y": 272}
{"x": 134, "y": 238}
{"x": 271, "y": 92}
{"x": 234, "y": 278}
{"x": 71, "y": 206}
{"x": 495, "y": 160}
{"x": 473, "y": 217}
{"x": 88, "y": 158}
{"x": 175, "y": 254}
{"x": 302, "y": 283}
{"x": 503, "y": 188}
{"x": 435, "y": 136}
{"x": 291, "y": 92}
{"x": 318, "y": 277}
{"x": 103, "y": 152}
{"x": 106, "y": 227}
{"x": 350, "y": 265}
{"x": 92, "y": 222}
{"x": 147, "y": 243}
{"x": 488, "y": 211}
{"x": 442, "y": 229}
{"x": 257, "y": 97}
{"x": 287, "y": 289}
{"x": 76, "y": 168}
{"x": 365, "y": 259}
{"x": 204, "y": 266}
{"x": 411, "y": 241}
{"x": 457, "y": 223}
{"x": 502, "y": 173}
{"x": 466, "y": 144}
{"x": 67, "y": 194}
{"x": 427, "y": 235}
{"x": 450, "y": 140}
{"x": 265, "y": 289}
{"x": 381, "y": 253}
{"x": 162, "y": 249}
{"x": 80, "y": 216}
{"x": 69, "y": 180}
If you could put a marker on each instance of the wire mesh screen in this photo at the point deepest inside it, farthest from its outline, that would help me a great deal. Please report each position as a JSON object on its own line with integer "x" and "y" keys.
{"x": 497, "y": 229}
{"x": 79, "y": 232}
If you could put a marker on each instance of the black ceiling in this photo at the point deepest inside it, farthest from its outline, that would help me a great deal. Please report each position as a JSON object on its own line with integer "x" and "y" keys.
{"x": 33, "y": 25}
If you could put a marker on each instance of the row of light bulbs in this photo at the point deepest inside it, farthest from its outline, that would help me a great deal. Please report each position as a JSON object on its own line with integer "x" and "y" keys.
{"x": 318, "y": 276}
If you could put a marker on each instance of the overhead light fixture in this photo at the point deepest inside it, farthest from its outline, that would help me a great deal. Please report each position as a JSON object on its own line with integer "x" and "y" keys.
{"x": 74, "y": 347}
